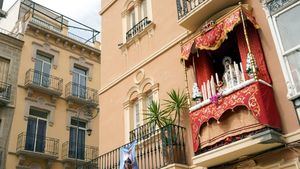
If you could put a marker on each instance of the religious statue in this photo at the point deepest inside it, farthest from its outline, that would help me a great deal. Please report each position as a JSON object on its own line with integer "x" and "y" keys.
{"x": 230, "y": 76}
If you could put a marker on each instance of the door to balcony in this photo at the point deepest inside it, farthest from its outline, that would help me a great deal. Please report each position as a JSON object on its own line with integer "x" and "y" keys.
{"x": 79, "y": 82}
{"x": 36, "y": 131}
{"x": 42, "y": 71}
{"x": 77, "y": 136}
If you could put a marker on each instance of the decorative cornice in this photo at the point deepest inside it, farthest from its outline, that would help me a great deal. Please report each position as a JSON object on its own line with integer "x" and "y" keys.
{"x": 65, "y": 42}
{"x": 154, "y": 55}
{"x": 11, "y": 41}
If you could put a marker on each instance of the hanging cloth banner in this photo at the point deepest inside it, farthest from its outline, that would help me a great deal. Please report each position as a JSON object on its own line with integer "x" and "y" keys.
{"x": 212, "y": 38}
{"x": 127, "y": 157}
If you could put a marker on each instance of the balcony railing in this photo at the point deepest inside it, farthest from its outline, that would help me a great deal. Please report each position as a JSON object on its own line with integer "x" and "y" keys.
{"x": 36, "y": 145}
{"x": 5, "y": 92}
{"x": 158, "y": 149}
{"x": 186, "y": 6}
{"x": 43, "y": 82}
{"x": 45, "y": 24}
{"x": 139, "y": 27}
{"x": 84, "y": 153}
{"x": 81, "y": 94}
{"x": 142, "y": 132}
{"x": 54, "y": 21}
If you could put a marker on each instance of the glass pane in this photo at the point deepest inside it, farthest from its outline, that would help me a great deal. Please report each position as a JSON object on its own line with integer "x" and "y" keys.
{"x": 72, "y": 142}
{"x": 81, "y": 144}
{"x": 294, "y": 64}
{"x": 38, "y": 113}
{"x": 45, "y": 75}
{"x": 41, "y": 136}
{"x": 37, "y": 72}
{"x": 137, "y": 113}
{"x": 82, "y": 86}
{"x": 80, "y": 123}
{"x": 79, "y": 70}
{"x": 30, "y": 134}
{"x": 75, "y": 87}
{"x": 289, "y": 27}
{"x": 41, "y": 56}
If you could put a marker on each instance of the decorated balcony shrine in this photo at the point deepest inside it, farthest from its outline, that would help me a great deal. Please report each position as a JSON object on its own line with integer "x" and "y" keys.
{"x": 232, "y": 90}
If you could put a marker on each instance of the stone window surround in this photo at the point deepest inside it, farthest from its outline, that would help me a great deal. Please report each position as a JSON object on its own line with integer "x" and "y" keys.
{"x": 72, "y": 113}
{"x": 141, "y": 93}
{"x": 149, "y": 29}
{"x": 81, "y": 61}
{"x": 41, "y": 104}
{"x": 45, "y": 48}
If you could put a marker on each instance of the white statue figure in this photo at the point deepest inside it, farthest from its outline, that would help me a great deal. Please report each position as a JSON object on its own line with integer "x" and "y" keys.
{"x": 230, "y": 76}
{"x": 196, "y": 94}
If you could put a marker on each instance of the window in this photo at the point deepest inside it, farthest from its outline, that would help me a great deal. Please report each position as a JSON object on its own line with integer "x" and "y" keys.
{"x": 36, "y": 131}
{"x": 79, "y": 82}
{"x": 136, "y": 107}
{"x": 286, "y": 29}
{"x": 4, "y": 68}
{"x": 77, "y": 129}
{"x": 144, "y": 9}
{"x": 136, "y": 17}
{"x": 42, "y": 70}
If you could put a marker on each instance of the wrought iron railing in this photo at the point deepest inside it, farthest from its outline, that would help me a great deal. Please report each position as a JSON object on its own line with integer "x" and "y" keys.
{"x": 5, "y": 91}
{"x": 160, "y": 148}
{"x": 186, "y": 6}
{"x": 84, "y": 153}
{"x": 43, "y": 80}
{"x": 142, "y": 131}
{"x": 74, "y": 90}
{"x": 37, "y": 144}
{"x": 140, "y": 26}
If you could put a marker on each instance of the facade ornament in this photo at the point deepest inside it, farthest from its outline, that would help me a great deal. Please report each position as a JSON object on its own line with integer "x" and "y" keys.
{"x": 290, "y": 89}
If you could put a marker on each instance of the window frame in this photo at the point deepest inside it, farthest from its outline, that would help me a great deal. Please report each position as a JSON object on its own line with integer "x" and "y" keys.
{"x": 284, "y": 54}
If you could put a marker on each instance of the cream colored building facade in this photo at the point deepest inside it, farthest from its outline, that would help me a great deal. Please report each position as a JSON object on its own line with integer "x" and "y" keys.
{"x": 55, "y": 122}
{"x": 143, "y": 42}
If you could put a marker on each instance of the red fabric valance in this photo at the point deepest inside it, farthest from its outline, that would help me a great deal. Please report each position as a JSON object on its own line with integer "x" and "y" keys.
{"x": 212, "y": 39}
{"x": 257, "y": 97}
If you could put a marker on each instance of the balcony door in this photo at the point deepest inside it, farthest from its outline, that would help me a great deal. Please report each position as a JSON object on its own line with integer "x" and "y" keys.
{"x": 36, "y": 131}
{"x": 79, "y": 82}
{"x": 42, "y": 70}
{"x": 77, "y": 130}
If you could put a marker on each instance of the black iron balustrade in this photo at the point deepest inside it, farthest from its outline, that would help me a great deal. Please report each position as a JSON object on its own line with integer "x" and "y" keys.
{"x": 140, "y": 26}
{"x": 5, "y": 91}
{"x": 186, "y": 6}
{"x": 38, "y": 79}
{"x": 158, "y": 149}
{"x": 83, "y": 94}
{"x": 85, "y": 153}
{"x": 142, "y": 131}
{"x": 28, "y": 144}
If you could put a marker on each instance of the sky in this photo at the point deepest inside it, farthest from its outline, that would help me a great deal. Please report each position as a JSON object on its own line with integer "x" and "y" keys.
{"x": 85, "y": 11}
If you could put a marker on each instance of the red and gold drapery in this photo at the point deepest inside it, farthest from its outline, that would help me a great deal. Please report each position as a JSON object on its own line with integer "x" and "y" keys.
{"x": 212, "y": 39}
{"x": 257, "y": 97}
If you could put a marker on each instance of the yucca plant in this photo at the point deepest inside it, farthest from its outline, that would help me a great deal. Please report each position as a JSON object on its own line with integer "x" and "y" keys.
{"x": 176, "y": 105}
{"x": 156, "y": 115}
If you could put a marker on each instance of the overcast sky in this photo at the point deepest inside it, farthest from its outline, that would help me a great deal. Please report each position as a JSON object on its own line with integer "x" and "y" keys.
{"x": 85, "y": 11}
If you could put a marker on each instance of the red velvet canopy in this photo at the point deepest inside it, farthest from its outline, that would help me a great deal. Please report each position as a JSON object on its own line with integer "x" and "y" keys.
{"x": 215, "y": 36}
